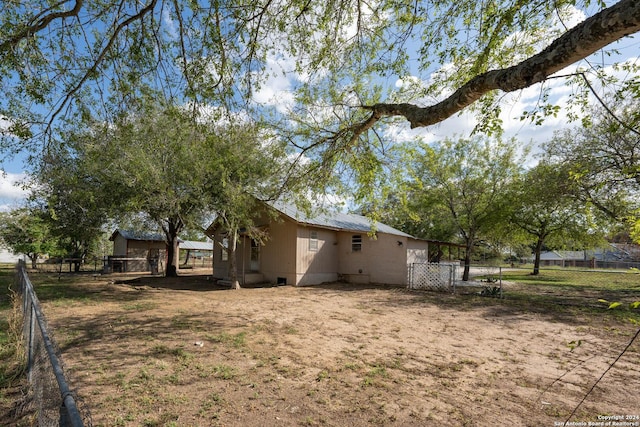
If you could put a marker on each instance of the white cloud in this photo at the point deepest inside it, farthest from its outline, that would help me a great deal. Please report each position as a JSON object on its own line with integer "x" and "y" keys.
{"x": 11, "y": 192}
{"x": 277, "y": 88}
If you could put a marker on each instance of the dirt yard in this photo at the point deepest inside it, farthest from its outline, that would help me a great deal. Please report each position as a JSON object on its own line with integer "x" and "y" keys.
{"x": 158, "y": 352}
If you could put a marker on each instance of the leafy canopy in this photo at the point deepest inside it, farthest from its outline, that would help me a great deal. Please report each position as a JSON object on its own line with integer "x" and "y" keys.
{"x": 350, "y": 66}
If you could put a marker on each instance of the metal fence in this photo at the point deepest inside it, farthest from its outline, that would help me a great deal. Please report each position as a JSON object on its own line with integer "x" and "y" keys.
{"x": 55, "y": 403}
{"x": 491, "y": 280}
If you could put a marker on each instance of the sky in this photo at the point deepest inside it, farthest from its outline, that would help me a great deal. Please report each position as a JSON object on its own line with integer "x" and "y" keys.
{"x": 277, "y": 91}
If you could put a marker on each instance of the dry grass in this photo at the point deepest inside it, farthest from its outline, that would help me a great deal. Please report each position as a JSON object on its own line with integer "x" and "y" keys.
{"x": 160, "y": 352}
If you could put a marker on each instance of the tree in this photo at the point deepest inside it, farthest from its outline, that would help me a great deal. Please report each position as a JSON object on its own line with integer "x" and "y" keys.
{"x": 26, "y": 231}
{"x": 72, "y": 201}
{"x": 176, "y": 170}
{"x": 469, "y": 179}
{"x": 250, "y": 168}
{"x": 153, "y": 162}
{"x": 75, "y": 58}
{"x": 603, "y": 158}
{"x": 545, "y": 208}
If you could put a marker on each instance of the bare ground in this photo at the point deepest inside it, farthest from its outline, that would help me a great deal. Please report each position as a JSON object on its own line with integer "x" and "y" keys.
{"x": 155, "y": 351}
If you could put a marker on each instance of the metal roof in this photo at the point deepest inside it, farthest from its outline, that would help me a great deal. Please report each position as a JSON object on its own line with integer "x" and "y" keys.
{"x": 157, "y": 237}
{"x": 138, "y": 235}
{"x": 196, "y": 246}
{"x": 336, "y": 220}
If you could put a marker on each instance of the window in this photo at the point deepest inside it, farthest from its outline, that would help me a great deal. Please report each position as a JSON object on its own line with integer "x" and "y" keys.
{"x": 356, "y": 243}
{"x": 225, "y": 252}
{"x": 313, "y": 241}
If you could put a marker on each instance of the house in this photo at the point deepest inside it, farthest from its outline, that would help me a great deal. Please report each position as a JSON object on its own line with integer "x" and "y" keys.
{"x": 309, "y": 250}
{"x": 141, "y": 251}
{"x": 609, "y": 256}
{"x": 562, "y": 258}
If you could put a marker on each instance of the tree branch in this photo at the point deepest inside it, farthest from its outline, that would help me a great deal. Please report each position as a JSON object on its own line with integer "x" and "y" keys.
{"x": 40, "y": 25}
{"x": 139, "y": 16}
{"x": 596, "y": 32}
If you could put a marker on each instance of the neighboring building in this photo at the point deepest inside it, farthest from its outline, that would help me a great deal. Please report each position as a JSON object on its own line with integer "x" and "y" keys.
{"x": 136, "y": 251}
{"x": 195, "y": 254}
{"x": 302, "y": 250}
{"x": 610, "y": 256}
{"x": 562, "y": 258}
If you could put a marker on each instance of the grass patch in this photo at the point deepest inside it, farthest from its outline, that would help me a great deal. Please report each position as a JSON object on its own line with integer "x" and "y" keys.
{"x": 140, "y": 306}
{"x": 236, "y": 340}
{"x": 12, "y": 352}
{"x": 373, "y": 376}
{"x": 225, "y": 372}
{"x": 571, "y": 291}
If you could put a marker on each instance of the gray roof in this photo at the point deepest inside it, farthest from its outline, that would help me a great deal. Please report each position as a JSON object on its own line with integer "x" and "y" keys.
{"x": 196, "y": 246}
{"x": 336, "y": 220}
{"x": 157, "y": 237}
{"x": 559, "y": 255}
{"x": 138, "y": 235}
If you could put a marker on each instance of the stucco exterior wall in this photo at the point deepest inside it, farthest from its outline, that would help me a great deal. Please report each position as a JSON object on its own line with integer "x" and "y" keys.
{"x": 288, "y": 255}
{"x": 220, "y": 267}
{"x": 278, "y": 255}
{"x": 417, "y": 251}
{"x": 381, "y": 260}
{"x": 316, "y": 264}
{"x": 276, "y": 259}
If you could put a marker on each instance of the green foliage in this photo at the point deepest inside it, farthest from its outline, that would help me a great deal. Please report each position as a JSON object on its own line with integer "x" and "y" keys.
{"x": 602, "y": 158}
{"x": 459, "y": 189}
{"x": 574, "y": 344}
{"x": 546, "y": 209}
{"x": 65, "y": 63}
{"x": 491, "y": 291}
{"x": 615, "y": 304}
{"x": 27, "y": 231}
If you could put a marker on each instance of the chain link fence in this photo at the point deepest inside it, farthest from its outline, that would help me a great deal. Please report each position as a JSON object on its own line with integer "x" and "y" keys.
{"x": 495, "y": 280}
{"x": 54, "y": 402}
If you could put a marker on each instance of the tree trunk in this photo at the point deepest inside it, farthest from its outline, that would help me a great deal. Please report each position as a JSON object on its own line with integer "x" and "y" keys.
{"x": 233, "y": 270}
{"x": 467, "y": 261}
{"x": 538, "y": 250}
{"x": 172, "y": 249}
{"x": 34, "y": 260}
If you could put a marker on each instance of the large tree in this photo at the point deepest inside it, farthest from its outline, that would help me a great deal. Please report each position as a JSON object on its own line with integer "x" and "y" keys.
{"x": 468, "y": 179}
{"x": 26, "y": 231}
{"x": 162, "y": 165}
{"x": 545, "y": 207}
{"x": 63, "y": 60}
{"x": 603, "y": 158}
{"x": 72, "y": 200}
{"x": 149, "y": 162}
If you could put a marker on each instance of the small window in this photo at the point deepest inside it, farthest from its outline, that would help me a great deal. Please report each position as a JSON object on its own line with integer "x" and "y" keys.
{"x": 225, "y": 250}
{"x": 356, "y": 243}
{"x": 313, "y": 241}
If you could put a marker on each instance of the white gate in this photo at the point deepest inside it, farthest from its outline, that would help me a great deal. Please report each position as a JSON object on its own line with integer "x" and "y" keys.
{"x": 433, "y": 276}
